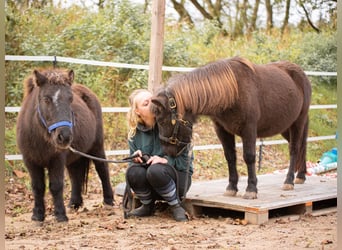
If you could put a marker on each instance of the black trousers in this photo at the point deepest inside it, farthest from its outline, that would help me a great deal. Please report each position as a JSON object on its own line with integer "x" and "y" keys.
{"x": 156, "y": 180}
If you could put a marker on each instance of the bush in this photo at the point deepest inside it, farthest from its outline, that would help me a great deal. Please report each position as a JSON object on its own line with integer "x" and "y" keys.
{"x": 319, "y": 53}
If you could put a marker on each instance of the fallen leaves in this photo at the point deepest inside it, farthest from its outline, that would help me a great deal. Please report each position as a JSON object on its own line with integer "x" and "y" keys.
{"x": 20, "y": 174}
{"x": 95, "y": 227}
{"x": 326, "y": 242}
{"x": 242, "y": 222}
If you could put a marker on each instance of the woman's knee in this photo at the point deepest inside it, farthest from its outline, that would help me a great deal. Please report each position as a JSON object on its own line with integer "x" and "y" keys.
{"x": 158, "y": 175}
{"x": 135, "y": 174}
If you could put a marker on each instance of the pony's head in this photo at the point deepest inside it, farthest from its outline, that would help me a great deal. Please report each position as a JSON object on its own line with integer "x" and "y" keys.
{"x": 54, "y": 104}
{"x": 175, "y": 130}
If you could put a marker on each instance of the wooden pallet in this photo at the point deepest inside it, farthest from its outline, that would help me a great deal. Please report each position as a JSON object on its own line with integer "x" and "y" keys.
{"x": 316, "y": 191}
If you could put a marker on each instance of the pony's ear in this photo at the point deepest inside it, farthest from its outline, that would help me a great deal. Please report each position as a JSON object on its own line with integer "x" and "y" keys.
{"x": 40, "y": 78}
{"x": 29, "y": 85}
{"x": 71, "y": 76}
{"x": 159, "y": 102}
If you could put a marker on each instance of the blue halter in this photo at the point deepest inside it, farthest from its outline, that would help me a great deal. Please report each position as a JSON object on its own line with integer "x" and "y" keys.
{"x": 55, "y": 125}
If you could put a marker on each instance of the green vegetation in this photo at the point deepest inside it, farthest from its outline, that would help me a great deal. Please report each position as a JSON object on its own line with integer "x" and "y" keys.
{"x": 121, "y": 33}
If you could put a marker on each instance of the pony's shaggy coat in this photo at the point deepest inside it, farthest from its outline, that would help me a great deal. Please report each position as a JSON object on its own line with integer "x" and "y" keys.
{"x": 52, "y": 93}
{"x": 247, "y": 100}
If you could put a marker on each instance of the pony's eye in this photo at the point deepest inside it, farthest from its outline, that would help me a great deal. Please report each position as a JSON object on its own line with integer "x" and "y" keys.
{"x": 156, "y": 112}
{"x": 47, "y": 100}
{"x": 160, "y": 121}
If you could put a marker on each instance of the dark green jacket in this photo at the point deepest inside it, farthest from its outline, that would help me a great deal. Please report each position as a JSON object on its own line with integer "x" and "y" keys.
{"x": 147, "y": 140}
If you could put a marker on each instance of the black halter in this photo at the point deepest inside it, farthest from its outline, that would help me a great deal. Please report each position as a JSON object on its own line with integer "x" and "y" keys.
{"x": 177, "y": 123}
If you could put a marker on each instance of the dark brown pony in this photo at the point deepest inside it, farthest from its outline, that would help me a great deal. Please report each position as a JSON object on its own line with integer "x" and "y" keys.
{"x": 55, "y": 114}
{"x": 242, "y": 99}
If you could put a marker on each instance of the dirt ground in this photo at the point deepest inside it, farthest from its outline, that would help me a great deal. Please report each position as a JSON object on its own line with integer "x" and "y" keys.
{"x": 97, "y": 227}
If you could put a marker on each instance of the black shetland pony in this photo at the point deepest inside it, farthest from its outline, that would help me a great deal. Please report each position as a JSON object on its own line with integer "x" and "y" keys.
{"x": 242, "y": 99}
{"x": 55, "y": 114}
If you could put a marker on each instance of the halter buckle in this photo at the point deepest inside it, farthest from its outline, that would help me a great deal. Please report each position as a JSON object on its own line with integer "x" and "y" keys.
{"x": 173, "y": 140}
{"x": 172, "y": 103}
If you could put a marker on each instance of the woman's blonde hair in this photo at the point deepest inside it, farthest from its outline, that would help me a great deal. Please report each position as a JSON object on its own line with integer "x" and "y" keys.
{"x": 132, "y": 118}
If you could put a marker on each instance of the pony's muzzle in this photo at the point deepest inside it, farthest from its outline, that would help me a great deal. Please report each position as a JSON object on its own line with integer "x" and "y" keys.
{"x": 63, "y": 137}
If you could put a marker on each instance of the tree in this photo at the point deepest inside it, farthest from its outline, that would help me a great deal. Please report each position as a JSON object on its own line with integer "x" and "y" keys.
{"x": 287, "y": 15}
{"x": 184, "y": 15}
{"x": 254, "y": 17}
{"x": 25, "y": 4}
{"x": 269, "y": 12}
{"x": 326, "y": 9}
{"x": 307, "y": 15}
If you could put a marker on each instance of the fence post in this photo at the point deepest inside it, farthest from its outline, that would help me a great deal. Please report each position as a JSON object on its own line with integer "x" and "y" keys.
{"x": 156, "y": 45}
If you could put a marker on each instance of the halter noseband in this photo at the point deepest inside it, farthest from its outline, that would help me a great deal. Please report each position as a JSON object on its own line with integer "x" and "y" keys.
{"x": 176, "y": 122}
{"x": 54, "y": 125}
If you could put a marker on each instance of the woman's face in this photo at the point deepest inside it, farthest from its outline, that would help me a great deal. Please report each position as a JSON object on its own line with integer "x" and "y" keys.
{"x": 143, "y": 105}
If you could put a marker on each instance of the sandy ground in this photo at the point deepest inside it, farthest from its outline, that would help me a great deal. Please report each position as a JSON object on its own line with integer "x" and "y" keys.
{"x": 97, "y": 227}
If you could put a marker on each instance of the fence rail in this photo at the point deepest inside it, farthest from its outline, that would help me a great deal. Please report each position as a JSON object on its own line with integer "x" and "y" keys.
{"x": 56, "y": 59}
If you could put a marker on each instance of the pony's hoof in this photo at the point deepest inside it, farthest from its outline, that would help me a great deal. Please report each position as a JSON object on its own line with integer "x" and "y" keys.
{"x": 38, "y": 217}
{"x": 62, "y": 218}
{"x": 299, "y": 181}
{"x": 288, "y": 187}
{"x": 250, "y": 195}
{"x": 75, "y": 206}
{"x": 107, "y": 206}
{"x": 38, "y": 223}
{"x": 230, "y": 193}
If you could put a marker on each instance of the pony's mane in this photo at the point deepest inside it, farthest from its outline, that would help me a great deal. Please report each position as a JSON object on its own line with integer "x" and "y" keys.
{"x": 207, "y": 88}
{"x": 54, "y": 76}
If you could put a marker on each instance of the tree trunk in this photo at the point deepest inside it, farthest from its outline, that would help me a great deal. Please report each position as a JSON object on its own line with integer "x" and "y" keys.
{"x": 254, "y": 17}
{"x": 244, "y": 18}
{"x": 100, "y": 4}
{"x": 199, "y": 7}
{"x": 269, "y": 21}
{"x": 308, "y": 17}
{"x": 286, "y": 18}
{"x": 184, "y": 15}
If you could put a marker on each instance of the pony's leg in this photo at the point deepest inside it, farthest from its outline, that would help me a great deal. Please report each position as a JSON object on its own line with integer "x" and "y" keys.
{"x": 288, "y": 183}
{"x": 296, "y": 135}
{"x": 38, "y": 188}
{"x": 248, "y": 142}
{"x": 56, "y": 184}
{"x": 301, "y": 163}
{"x": 103, "y": 172}
{"x": 228, "y": 143}
{"x": 78, "y": 173}
{"x": 108, "y": 195}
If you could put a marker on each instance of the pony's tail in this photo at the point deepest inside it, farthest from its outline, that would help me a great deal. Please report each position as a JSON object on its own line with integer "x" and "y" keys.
{"x": 303, "y": 82}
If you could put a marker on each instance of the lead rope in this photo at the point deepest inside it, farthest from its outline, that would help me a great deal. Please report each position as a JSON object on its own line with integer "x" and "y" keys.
{"x": 124, "y": 160}
{"x": 127, "y": 199}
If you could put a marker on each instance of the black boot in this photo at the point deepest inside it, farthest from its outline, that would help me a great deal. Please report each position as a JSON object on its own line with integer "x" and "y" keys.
{"x": 178, "y": 213}
{"x": 143, "y": 211}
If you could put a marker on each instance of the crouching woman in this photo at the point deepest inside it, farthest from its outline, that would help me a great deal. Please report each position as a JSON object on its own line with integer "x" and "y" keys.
{"x": 153, "y": 175}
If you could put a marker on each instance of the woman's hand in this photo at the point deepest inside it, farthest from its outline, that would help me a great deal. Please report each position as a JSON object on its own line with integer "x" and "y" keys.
{"x": 138, "y": 159}
{"x": 156, "y": 159}
{"x": 152, "y": 160}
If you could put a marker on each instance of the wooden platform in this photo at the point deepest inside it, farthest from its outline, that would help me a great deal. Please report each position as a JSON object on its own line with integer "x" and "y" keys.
{"x": 317, "y": 192}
